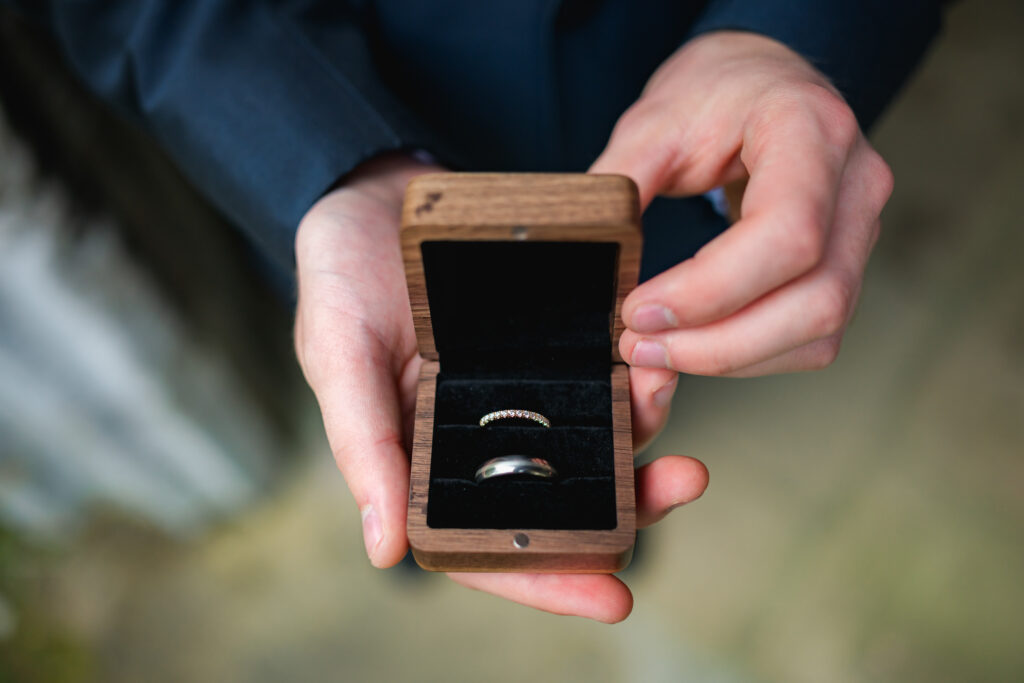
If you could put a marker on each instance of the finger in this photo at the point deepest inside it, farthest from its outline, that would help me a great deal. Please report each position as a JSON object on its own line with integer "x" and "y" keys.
{"x": 354, "y": 382}
{"x": 637, "y": 150}
{"x": 662, "y": 486}
{"x": 648, "y": 146}
{"x": 601, "y": 597}
{"x": 796, "y": 150}
{"x": 820, "y": 353}
{"x": 363, "y": 422}
{"x": 814, "y": 356}
{"x": 816, "y": 306}
{"x": 665, "y": 484}
{"x": 651, "y": 391}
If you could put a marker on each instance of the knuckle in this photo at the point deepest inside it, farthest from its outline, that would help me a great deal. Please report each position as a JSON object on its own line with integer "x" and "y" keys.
{"x": 838, "y": 120}
{"x": 880, "y": 178}
{"x": 824, "y": 353}
{"x": 833, "y": 114}
{"x": 834, "y": 301}
{"x": 712, "y": 364}
{"x": 814, "y": 104}
{"x": 352, "y": 445}
{"x": 804, "y": 242}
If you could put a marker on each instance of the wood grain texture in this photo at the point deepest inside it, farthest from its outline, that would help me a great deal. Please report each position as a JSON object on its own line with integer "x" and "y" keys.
{"x": 549, "y": 550}
{"x": 519, "y": 207}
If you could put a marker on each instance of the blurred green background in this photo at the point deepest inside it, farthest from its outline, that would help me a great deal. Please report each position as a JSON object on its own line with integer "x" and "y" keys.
{"x": 865, "y": 523}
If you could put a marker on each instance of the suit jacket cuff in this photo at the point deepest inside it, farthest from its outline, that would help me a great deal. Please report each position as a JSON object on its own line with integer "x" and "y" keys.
{"x": 243, "y": 97}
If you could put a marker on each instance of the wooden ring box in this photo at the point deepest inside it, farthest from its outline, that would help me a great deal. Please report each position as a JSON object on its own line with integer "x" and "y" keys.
{"x": 516, "y": 283}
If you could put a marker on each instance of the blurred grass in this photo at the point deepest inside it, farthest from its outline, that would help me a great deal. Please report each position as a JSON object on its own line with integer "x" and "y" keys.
{"x": 34, "y": 643}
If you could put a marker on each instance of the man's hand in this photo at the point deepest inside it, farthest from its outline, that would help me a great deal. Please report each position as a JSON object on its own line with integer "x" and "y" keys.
{"x": 775, "y": 291}
{"x": 355, "y": 341}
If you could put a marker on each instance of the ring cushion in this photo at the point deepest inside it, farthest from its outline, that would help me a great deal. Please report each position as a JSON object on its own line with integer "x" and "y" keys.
{"x": 522, "y": 325}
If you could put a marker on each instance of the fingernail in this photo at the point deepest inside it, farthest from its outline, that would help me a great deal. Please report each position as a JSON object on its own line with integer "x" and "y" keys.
{"x": 650, "y": 354}
{"x": 372, "y": 532}
{"x": 652, "y": 318}
{"x": 663, "y": 396}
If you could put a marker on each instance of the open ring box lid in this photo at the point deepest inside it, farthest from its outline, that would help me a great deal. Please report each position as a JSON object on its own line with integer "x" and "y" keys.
{"x": 516, "y": 283}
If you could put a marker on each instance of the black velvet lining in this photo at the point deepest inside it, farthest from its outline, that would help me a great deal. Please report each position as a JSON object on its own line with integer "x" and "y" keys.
{"x": 578, "y": 445}
{"x": 522, "y": 325}
{"x": 535, "y": 305}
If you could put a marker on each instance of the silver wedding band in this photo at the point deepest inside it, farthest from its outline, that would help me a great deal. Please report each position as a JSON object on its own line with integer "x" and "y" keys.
{"x": 514, "y": 414}
{"x": 507, "y": 465}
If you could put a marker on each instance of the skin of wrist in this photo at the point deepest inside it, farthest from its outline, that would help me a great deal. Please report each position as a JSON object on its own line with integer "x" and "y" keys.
{"x": 380, "y": 181}
{"x": 385, "y": 176}
{"x": 725, "y": 50}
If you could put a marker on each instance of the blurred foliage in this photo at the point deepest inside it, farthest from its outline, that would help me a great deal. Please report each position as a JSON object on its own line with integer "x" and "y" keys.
{"x": 37, "y": 647}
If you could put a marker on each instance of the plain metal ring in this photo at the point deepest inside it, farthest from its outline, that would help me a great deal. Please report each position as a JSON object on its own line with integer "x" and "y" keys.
{"x": 506, "y": 465}
{"x": 511, "y": 414}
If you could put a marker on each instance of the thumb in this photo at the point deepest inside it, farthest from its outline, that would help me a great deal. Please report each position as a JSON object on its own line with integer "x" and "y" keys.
{"x": 357, "y": 389}
{"x": 646, "y": 146}
{"x": 635, "y": 150}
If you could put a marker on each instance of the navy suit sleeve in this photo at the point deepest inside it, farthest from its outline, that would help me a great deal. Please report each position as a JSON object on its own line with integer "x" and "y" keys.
{"x": 866, "y": 47}
{"x": 240, "y": 96}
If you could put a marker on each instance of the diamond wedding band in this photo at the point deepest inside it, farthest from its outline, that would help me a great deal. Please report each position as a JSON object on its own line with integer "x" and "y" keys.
{"x": 509, "y": 414}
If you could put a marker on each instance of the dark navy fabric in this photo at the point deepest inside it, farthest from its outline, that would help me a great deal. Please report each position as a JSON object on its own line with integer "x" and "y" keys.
{"x": 265, "y": 105}
{"x": 867, "y": 48}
